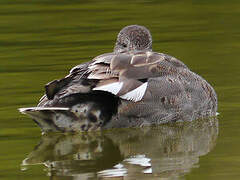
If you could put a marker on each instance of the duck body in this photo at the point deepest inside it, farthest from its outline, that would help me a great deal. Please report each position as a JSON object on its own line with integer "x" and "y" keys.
{"x": 125, "y": 88}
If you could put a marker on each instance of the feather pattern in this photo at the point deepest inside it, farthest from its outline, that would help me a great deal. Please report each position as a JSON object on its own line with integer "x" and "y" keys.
{"x": 113, "y": 88}
{"x": 118, "y": 73}
{"x": 128, "y": 68}
{"x": 136, "y": 94}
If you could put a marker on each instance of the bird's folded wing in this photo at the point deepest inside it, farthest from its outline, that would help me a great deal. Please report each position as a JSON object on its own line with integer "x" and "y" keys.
{"x": 131, "y": 71}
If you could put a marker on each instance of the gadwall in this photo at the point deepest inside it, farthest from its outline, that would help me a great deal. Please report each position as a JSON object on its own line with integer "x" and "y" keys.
{"x": 129, "y": 87}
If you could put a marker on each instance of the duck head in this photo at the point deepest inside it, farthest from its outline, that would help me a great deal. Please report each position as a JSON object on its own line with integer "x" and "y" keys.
{"x": 133, "y": 38}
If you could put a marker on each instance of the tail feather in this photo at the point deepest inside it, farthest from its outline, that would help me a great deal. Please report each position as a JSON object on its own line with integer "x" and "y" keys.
{"x": 44, "y": 116}
{"x": 32, "y": 109}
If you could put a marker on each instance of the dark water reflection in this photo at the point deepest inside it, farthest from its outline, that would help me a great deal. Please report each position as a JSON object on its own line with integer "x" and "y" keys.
{"x": 164, "y": 151}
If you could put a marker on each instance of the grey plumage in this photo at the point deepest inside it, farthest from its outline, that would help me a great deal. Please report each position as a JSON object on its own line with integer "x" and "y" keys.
{"x": 137, "y": 87}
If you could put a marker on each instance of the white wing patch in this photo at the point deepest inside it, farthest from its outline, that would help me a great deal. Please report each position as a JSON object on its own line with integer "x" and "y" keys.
{"x": 136, "y": 94}
{"x": 113, "y": 88}
{"x": 23, "y": 110}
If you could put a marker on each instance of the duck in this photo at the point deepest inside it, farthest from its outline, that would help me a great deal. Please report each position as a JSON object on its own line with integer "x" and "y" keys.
{"x": 133, "y": 86}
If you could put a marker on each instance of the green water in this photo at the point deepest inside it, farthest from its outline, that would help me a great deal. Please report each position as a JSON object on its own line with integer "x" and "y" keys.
{"x": 41, "y": 40}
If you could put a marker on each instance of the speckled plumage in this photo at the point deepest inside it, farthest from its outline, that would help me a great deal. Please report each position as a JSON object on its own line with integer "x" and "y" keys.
{"x": 132, "y": 86}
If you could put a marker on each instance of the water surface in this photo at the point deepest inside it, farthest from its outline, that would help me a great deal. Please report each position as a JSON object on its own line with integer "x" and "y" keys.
{"x": 41, "y": 40}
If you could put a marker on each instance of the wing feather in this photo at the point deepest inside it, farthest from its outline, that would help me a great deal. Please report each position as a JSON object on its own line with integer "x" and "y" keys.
{"x": 113, "y": 88}
{"x": 118, "y": 73}
{"x": 129, "y": 68}
{"x": 136, "y": 94}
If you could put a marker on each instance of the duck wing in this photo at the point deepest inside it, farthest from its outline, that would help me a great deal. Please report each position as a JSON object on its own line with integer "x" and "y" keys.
{"x": 126, "y": 74}
{"x": 56, "y": 86}
{"x": 122, "y": 74}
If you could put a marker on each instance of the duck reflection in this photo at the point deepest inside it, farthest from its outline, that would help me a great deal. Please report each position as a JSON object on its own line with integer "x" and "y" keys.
{"x": 168, "y": 151}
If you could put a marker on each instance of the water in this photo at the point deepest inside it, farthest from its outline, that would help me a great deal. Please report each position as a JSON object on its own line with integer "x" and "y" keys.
{"x": 41, "y": 40}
